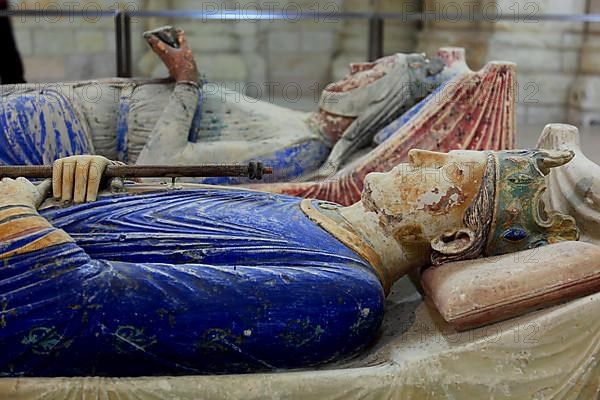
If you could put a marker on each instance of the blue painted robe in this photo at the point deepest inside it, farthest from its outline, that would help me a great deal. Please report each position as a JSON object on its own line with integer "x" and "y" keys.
{"x": 40, "y": 126}
{"x": 37, "y": 128}
{"x": 190, "y": 282}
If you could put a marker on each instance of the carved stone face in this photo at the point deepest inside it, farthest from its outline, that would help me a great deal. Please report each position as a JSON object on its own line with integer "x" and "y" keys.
{"x": 429, "y": 195}
{"x": 343, "y": 101}
{"x": 463, "y": 203}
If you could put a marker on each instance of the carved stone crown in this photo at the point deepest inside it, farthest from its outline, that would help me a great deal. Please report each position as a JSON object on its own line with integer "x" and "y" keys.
{"x": 520, "y": 219}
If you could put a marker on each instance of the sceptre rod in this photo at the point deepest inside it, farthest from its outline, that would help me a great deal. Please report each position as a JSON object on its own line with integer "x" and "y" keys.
{"x": 254, "y": 170}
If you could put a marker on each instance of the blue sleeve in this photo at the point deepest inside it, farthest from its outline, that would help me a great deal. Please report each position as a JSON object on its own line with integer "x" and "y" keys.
{"x": 65, "y": 314}
{"x": 38, "y": 127}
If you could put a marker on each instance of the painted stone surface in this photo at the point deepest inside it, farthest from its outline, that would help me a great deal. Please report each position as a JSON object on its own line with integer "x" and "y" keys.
{"x": 475, "y": 293}
{"x": 574, "y": 189}
{"x": 156, "y": 122}
{"x": 227, "y": 280}
{"x": 474, "y": 111}
{"x": 550, "y": 354}
{"x": 26, "y": 122}
{"x": 184, "y": 283}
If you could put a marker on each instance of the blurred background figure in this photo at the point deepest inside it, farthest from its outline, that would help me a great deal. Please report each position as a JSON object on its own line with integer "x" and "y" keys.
{"x": 11, "y": 68}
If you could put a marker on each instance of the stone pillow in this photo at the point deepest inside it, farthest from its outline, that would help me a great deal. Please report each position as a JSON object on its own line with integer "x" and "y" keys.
{"x": 470, "y": 294}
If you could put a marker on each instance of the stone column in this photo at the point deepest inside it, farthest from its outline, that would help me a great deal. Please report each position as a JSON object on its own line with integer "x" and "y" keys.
{"x": 584, "y": 99}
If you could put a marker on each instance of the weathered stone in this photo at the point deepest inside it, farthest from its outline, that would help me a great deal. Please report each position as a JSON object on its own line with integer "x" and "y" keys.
{"x": 44, "y": 68}
{"x": 256, "y": 68}
{"x": 543, "y": 87}
{"x": 223, "y": 67}
{"x": 284, "y": 42}
{"x": 534, "y": 59}
{"x": 318, "y": 41}
{"x": 24, "y": 41}
{"x": 52, "y": 42}
{"x": 584, "y": 101}
{"x": 590, "y": 55}
{"x": 82, "y": 66}
{"x": 310, "y": 66}
{"x": 542, "y": 113}
{"x": 90, "y": 41}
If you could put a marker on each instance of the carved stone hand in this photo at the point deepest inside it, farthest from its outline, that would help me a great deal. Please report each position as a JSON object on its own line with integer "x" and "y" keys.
{"x": 77, "y": 179}
{"x": 180, "y": 62}
{"x": 22, "y": 192}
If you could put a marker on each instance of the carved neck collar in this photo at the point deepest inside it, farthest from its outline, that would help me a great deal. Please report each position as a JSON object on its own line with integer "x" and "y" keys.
{"x": 327, "y": 217}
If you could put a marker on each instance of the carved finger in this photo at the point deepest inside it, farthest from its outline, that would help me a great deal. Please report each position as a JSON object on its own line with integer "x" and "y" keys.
{"x": 162, "y": 47}
{"x": 24, "y": 181}
{"x": 152, "y": 40}
{"x": 57, "y": 171}
{"x": 6, "y": 181}
{"x": 158, "y": 45}
{"x": 25, "y": 190}
{"x": 81, "y": 180}
{"x": 181, "y": 38}
{"x": 43, "y": 190}
{"x": 97, "y": 168}
{"x": 68, "y": 178}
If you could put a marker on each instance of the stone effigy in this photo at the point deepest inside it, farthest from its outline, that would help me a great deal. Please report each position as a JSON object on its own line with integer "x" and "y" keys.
{"x": 473, "y": 111}
{"x": 43, "y": 122}
{"x": 227, "y": 280}
{"x": 550, "y": 354}
{"x": 352, "y": 110}
{"x": 575, "y": 189}
{"x": 161, "y": 122}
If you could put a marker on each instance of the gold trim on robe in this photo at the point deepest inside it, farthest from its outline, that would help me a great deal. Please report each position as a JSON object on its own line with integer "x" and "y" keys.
{"x": 345, "y": 234}
{"x": 21, "y": 221}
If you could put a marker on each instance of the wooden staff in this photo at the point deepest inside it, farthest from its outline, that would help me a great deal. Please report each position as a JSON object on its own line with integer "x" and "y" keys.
{"x": 254, "y": 170}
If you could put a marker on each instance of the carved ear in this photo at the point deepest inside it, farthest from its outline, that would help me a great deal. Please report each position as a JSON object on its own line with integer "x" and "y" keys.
{"x": 453, "y": 242}
{"x": 547, "y": 159}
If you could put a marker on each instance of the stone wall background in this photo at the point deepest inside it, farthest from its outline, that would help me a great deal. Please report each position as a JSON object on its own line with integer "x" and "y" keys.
{"x": 290, "y": 61}
{"x": 285, "y": 61}
{"x": 58, "y": 49}
{"x": 547, "y": 54}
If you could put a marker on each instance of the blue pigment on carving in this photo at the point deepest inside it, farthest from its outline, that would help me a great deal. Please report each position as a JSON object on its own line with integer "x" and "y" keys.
{"x": 123, "y": 127}
{"x": 289, "y": 163}
{"x": 192, "y": 282}
{"x": 38, "y": 128}
{"x": 515, "y": 234}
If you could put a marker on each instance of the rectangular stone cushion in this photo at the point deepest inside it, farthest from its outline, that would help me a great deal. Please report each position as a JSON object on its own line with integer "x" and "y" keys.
{"x": 470, "y": 294}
